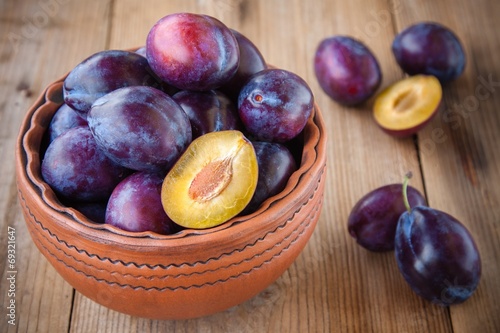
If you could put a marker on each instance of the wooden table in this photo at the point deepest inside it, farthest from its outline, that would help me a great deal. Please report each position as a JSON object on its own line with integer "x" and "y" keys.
{"x": 334, "y": 285}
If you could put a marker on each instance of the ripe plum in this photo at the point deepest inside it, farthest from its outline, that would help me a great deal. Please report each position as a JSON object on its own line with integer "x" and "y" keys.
{"x": 208, "y": 111}
{"x": 140, "y": 127}
{"x": 275, "y": 105}
{"x": 346, "y": 70}
{"x": 102, "y": 73}
{"x": 76, "y": 169}
{"x": 135, "y": 205}
{"x": 192, "y": 51}
{"x": 64, "y": 119}
{"x": 276, "y": 165}
{"x": 429, "y": 48}
{"x": 251, "y": 62}
{"x": 374, "y": 218}
{"x": 437, "y": 256}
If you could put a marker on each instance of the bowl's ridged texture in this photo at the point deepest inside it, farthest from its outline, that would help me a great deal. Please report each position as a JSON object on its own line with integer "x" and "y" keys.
{"x": 186, "y": 275}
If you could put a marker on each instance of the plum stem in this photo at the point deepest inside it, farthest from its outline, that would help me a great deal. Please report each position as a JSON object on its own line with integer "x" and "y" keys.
{"x": 405, "y": 191}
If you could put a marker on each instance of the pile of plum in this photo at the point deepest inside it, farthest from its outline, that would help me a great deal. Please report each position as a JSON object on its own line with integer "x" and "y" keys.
{"x": 435, "y": 253}
{"x": 186, "y": 132}
{"x": 429, "y": 52}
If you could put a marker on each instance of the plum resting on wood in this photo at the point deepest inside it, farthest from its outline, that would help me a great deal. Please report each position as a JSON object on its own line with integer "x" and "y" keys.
{"x": 429, "y": 48}
{"x": 346, "y": 70}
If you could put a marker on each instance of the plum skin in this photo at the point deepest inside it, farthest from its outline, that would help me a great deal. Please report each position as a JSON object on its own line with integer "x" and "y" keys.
{"x": 140, "y": 127}
{"x": 274, "y": 105}
{"x": 208, "y": 111}
{"x": 64, "y": 119}
{"x": 437, "y": 256}
{"x": 374, "y": 217}
{"x": 135, "y": 205}
{"x": 251, "y": 62}
{"x": 429, "y": 48}
{"x": 346, "y": 70}
{"x": 104, "y": 72}
{"x": 276, "y": 164}
{"x": 76, "y": 169}
{"x": 192, "y": 51}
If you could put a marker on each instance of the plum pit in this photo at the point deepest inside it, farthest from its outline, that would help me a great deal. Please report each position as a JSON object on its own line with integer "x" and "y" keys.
{"x": 211, "y": 180}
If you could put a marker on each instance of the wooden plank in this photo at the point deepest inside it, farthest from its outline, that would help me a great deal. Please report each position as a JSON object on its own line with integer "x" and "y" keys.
{"x": 334, "y": 285}
{"x": 40, "y": 41}
{"x": 459, "y": 150}
{"x": 362, "y": 158}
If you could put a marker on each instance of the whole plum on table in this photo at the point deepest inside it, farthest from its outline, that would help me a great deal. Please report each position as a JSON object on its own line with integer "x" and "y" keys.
{"x": 76, "y": 169}
{"x": 135, "y": 205}
{"x": 374, "y": 218}
{"x": 104, "y": 72}
{"x": 437, "y": 256}
{"x": 192, "y": 51}
{"x": 274, "y": 105}
{"x": 346, "y": 70}
{"x": 141, "y": 128}
{"x": 429, "y": 48}
{"x": 208, "y": 111}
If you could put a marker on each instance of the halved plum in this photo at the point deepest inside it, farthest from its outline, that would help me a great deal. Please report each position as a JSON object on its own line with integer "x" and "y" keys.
{"x": 405, "y": 107}
{"x": 213, "y": 180}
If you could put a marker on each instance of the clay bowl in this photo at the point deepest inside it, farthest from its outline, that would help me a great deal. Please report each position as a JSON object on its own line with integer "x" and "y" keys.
{"x": 189, "y": 274}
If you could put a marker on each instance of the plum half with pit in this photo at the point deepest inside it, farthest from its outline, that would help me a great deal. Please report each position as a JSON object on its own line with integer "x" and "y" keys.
{"x": 429, "y": 48}
{"x": 346, "y": 70}
{"x": 208, "y": 111}
{"x": 135, "y": 205}
{"x": 102, "y": 73}
{"x": 405, "y": 107}
{"x": 140, "y": 127}
{"x": 213, "y": 180}
{"x": 192, "y": 51}
{"x": 274, "y": 105}
{"x": 76, "y": 169}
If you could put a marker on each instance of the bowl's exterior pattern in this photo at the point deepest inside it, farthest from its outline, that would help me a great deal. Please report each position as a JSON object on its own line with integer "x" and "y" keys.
{"x": 169, "y": 277}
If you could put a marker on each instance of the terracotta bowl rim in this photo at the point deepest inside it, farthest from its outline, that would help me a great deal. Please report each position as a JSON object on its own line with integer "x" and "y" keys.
{"x": 313, "y": 162}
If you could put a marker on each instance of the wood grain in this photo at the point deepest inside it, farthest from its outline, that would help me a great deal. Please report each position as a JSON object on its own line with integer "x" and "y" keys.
{"x": 334, "y": 285}
{"x": 459, "y": 150}
{"x": 39, "y": 44}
